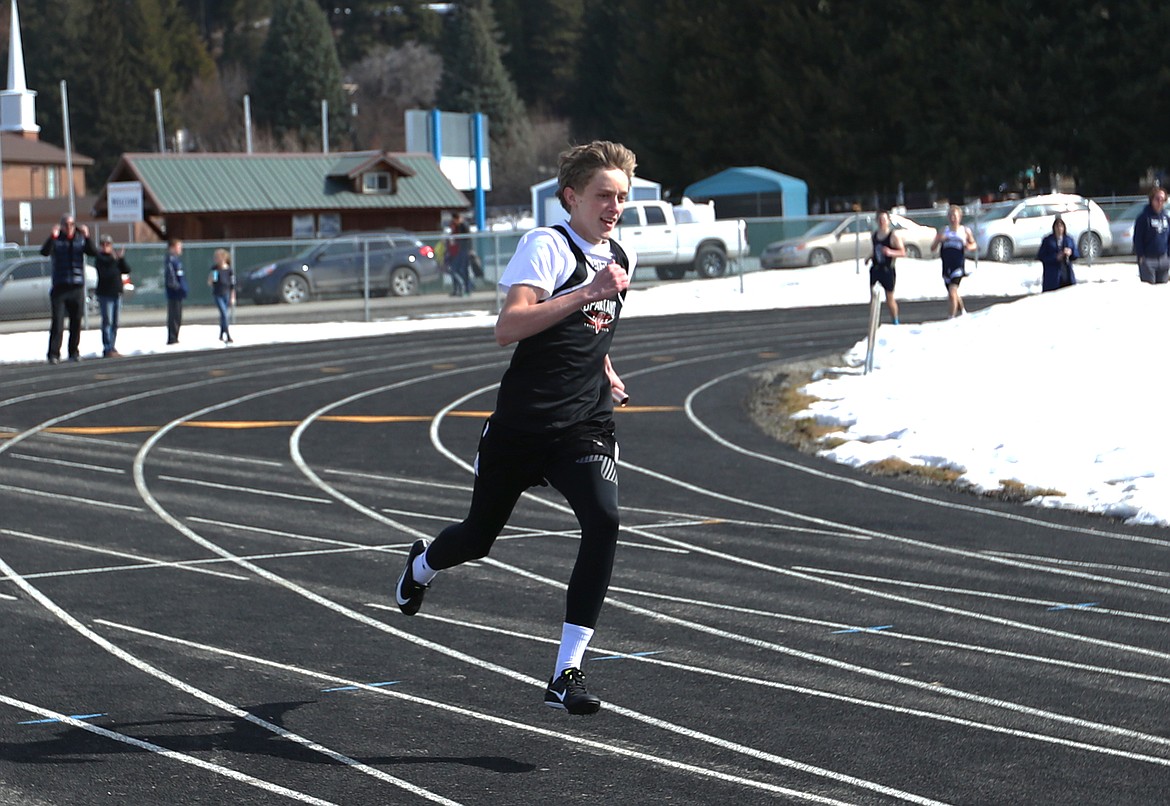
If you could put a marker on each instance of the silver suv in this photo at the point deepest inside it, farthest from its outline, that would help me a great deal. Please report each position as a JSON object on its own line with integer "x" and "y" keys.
{"x": 1007, "y": 229}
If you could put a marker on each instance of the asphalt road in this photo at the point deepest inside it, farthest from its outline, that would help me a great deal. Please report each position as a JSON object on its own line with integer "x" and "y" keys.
{"x": 198, "y": 552}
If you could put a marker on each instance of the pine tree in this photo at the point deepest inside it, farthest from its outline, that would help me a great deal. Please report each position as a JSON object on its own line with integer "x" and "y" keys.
{"x": 297, "y": 69}
{"x": 544, "y": 39}
{"x": 113, "y": 54}
{"x": 475, "y": 80}
{"x": 362, "y": 26}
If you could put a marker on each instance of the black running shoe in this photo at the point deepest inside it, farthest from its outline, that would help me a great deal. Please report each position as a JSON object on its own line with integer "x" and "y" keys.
{"x": 568, "y": 693}
{"x": 408, "y": 593}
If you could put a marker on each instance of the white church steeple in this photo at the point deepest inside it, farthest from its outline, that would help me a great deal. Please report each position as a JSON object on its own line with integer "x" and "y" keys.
{"x": 18, "y": 109}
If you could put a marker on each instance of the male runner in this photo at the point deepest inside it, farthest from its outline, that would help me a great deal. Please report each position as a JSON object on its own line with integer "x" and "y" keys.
{"x": 553, "y": 421}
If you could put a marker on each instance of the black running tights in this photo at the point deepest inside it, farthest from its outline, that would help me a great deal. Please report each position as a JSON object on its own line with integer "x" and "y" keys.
{"x": 589, "y": 485}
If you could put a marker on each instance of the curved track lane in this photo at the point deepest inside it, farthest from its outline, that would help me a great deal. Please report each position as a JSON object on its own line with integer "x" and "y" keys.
{"x": 200, "y": 548}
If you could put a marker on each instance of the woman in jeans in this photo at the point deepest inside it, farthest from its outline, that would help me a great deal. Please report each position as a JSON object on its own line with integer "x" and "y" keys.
{"x": 111, "y": 269}
{"x": 223, "y": 288}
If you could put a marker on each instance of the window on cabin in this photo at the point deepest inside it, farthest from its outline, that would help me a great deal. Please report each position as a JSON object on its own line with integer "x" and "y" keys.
{"x": 376, "y": 182}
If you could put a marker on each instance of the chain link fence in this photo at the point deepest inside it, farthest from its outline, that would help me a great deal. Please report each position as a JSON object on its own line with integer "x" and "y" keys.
{"x": 25, "y": 275}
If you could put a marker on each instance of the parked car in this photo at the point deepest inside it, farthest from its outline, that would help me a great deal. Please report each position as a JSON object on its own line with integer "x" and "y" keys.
{"x": 1121, "y": 225}
{"x": 1007, "y": 229}
{"x": 399, "y": 264}
{"x": 25, "y": 283}
{"x": 677, "y": 238}
{"x": 842, "y": 239}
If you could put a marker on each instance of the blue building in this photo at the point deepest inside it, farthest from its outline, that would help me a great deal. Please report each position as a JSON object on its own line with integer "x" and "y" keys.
{"x": 752, "y": 193}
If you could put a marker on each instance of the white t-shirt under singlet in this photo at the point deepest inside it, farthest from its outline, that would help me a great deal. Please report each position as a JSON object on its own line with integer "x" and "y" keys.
{"x": 544, "y": 260}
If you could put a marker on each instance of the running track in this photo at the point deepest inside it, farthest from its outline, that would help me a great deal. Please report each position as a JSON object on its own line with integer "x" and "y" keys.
{"x": 197, "y": 553}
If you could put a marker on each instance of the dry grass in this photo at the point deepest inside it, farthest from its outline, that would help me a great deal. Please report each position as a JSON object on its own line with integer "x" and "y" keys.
{"x": 1012, "y": 490}
{"x": 776, "y": 398}
{"x": 900, "y": 467}
{"x": 779, "y": 394}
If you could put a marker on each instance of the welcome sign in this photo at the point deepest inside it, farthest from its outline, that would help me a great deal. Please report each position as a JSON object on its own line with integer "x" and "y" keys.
{"x": 124, "y": 201}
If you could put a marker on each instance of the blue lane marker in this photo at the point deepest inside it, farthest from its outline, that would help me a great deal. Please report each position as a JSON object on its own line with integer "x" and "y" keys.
{"x": 54, "y": 719}
{"x": 863, "y": 629}
{"x": 627, "y": 655}
{"x": 357, "y": 688}
{"x": 1081, "y": 606}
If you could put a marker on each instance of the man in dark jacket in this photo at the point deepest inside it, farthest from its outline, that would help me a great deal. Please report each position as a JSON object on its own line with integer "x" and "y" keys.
{"x": 1151, "y": 240}
{"x": 111, "y": 267}
{"x": 67, "y": 246}
{"x": 175, "y": 280}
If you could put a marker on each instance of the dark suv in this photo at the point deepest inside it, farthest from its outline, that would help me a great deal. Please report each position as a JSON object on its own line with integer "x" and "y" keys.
{"x": 399, "y": 264}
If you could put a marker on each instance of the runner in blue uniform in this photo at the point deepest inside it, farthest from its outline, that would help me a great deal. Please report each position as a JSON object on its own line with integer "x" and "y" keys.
{"x": 953, "y": 242}
{"x": 553, "y": 422}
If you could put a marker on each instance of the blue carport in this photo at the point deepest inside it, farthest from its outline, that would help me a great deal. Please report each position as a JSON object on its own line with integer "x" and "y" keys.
{"x": 752, "y": 193}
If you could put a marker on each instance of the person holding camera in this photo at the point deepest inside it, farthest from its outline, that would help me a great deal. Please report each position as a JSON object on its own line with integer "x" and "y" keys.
{"x": 111, "y": 269}
{"x": 67, "y": 246}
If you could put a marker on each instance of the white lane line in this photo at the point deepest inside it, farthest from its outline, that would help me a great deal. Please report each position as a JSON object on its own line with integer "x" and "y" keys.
{"x": 193, "y": 564}
{"x": 330, "y": 541}
{"x": 150, "y": 747}
{"x": 237, "y": 489}
{"x": 684, "y": 519}
{"x": 781, "y": 527}
{"x": 763, "y": 682}
{"x": 1128, "y": 569}
{"x": 514, "y": 532}
{"x": 385, "y": 479}
{"x": 141, "y": 560}
{"x": 306, "y": 360}
{"x": 482, "y": 664}
{"x": 156, "y": 391}
{"x": 72, "y": 499}
{"x": 821, "y": 659}
{"x": 1004, "y": 597}
{"x": 436, "y": 441}
{"x": 907, "y": 600}
{"x": 922, "y": 499}
{"x": 64, "y": 616}
{"x": 771, "y": 646}
{"x": 896, "y": 634}
{"x": 62, "y": 463}
{"x": 572, "y": 739}
{"x": 922, "y": 544}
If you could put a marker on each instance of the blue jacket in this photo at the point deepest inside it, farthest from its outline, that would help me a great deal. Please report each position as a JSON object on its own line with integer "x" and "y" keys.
{"x": 69, "y": 258}
{"x": 174, "y": 278}
{"x": 1151, "y": 233}
{"x": 1057, "y": 272}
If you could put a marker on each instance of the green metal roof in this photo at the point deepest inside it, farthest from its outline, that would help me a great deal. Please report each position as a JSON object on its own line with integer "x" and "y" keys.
{"x": 225, "y": 183}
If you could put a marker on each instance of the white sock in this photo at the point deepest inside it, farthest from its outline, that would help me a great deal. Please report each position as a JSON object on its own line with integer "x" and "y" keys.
{"x": 574, "y": 641}
{"x": 423, "y": 573}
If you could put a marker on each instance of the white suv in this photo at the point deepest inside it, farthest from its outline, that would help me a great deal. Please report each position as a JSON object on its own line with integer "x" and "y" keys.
{"x": 1006, "y": 229}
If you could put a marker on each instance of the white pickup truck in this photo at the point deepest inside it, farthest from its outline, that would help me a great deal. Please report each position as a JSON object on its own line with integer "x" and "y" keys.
{"x": 675, "y": 239}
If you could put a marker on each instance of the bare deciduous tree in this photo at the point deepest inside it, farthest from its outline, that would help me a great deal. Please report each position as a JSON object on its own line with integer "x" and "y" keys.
{"x": 390, "y": 81}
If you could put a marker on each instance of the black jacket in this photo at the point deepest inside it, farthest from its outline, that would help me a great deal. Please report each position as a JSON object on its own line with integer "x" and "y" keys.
{"x": 109, "y": 274}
